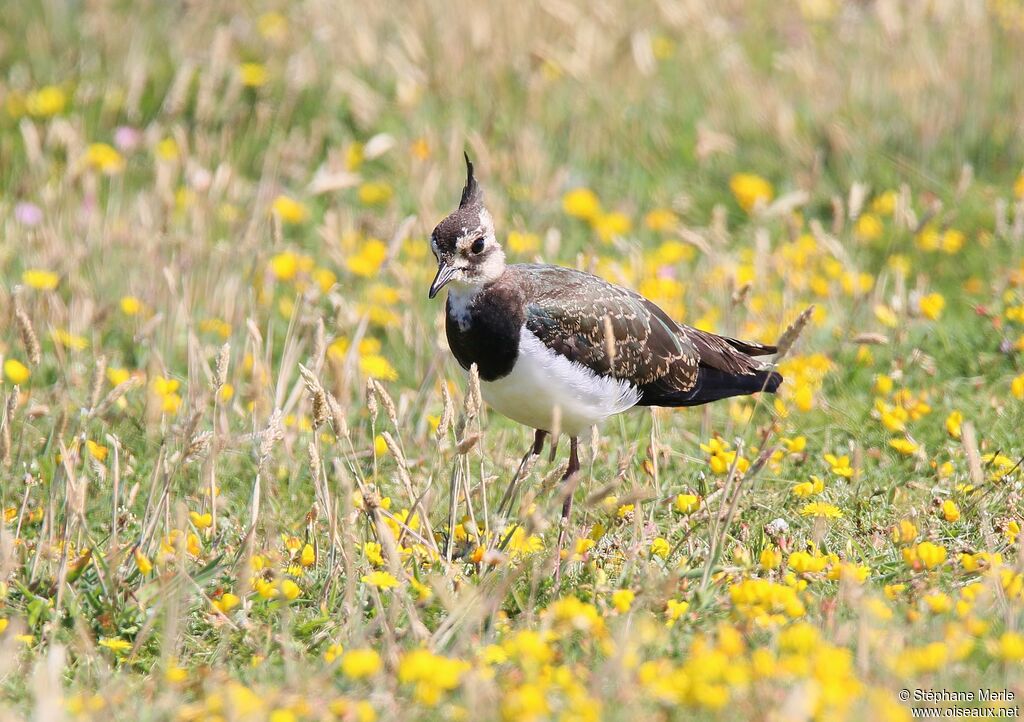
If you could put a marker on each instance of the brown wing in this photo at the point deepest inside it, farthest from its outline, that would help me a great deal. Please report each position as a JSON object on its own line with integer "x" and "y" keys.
{"x": 726, "y": 354}
{"x": 609, "y": 329}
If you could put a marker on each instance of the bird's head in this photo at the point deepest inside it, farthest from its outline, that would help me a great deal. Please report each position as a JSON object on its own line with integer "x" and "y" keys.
{"x": 467, "y": 252}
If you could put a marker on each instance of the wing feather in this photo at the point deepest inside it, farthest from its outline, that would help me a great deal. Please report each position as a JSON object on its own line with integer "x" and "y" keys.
{"x": 609, "y": 329}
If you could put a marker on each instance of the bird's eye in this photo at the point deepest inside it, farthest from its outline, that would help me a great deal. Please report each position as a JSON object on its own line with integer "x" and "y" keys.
{"x": 478, "y": 245}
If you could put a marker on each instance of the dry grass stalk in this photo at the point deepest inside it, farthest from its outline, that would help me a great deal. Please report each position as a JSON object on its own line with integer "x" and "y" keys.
{"x": 220, "y": 374}
{"x": 386, "y": 401}
{"x": 318, "y": 396}
{"x": 6, "y": 422}
{"x": 27, "y": 333}
{"x": 116, "y": 393}
{"x": 98, "y": 375}
{"x": 371, "y": 401}
{"x": 792, "y": 333}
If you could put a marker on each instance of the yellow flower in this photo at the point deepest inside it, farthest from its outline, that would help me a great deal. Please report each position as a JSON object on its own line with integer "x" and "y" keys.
{"x": 980, "y": 561}
{"x": 272, "y": 26}
{"x": 130, "y": 306}
{"x": 308, "y": 556}
{"x": 931, "y": 305}
{"x": 369, "y": 259}
{"x": 372, "y": 551}
{"x": 928, "y": 239}
{"x": 289, "y": 210}
{"x": 1012, "y": 531}
{"x": 950, "y": 511}
{"x": 1010, "y": 647}
{"x": 379, "y": 579}
{"x": 104, "y": 158}
{"x": 69, "y": 340}
{"x": 905, "y": 532}
{"x": 662, "y": 47}
{"x": 821, "y": 509}
{"x": 521, "y": 544}
{"x": 201, "y": 521}
{"x": 519, "y": 242}
{"x": 118, "y": 646}
{"x": 290, "y": 590}
{"x": 431, "y": 673}
{"x": 226, "y": 602}
{"x": 175, "y": 674}
{"x": 374, "y": 193}
{"x": 840, "y": 465}
{"x": 15, "y": 371}
{"x": 622, "y": 599}
{"x": 611, "y": 225}
{"x": 423, "y": 592}
{"x": 765, "y": 600}
{"x": 377, "y": 367}
{"x": 660, "y": 547}
{"x": 215, "y": 325}
{"x": 771, "y": 558}
{"x": 142, "y": 562}
{"x": 869, "y": 227}
{"x": 686, "y": 503}
{"x": 40, "y": 279}
{"x": 252, "y": 75}
{"x": 1017, "y": 387}
{"x": 885, "y": 204}
{"x": 359, "y": 663}
{"x": 938, "y": 602}
{"x": 750, "y": 190}
{"x": 284, "y": 265}
{"x": 954, "y": 422}
{"x": 674, "y": 610}
{"x": 48, "y": 100}
{"x": 796, "y": 445}
{"x": 925, "y": 555}
{"x": 661, "y": 220}
{"x": 325, "y": 278}
{"x": 904, "y": 446}
{"x": 808, "y": 488}
{"x": 266, "y": 589}
{"x": 96, "y": 451}
{"x": 581, "y": 203}
{"x": 804, "y": 562}
{"x": 333, "y": 652}
{"x": 886, "y": 315}
{"x": 952, "y": 241}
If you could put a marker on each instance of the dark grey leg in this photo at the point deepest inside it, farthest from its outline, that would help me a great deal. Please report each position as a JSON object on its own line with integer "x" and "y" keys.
{"x": 571, "y": 470}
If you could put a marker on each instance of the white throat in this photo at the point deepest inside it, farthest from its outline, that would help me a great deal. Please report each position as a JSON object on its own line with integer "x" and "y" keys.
{"x": 460, "y": 301}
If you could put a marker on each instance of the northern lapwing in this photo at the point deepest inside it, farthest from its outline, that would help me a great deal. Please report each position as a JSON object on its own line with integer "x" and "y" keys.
{"x": 560, "y": 350}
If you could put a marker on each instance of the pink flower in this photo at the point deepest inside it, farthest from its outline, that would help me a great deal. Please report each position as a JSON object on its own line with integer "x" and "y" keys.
{"x": 127, "y": 138}
{"x": 28, "y": 214}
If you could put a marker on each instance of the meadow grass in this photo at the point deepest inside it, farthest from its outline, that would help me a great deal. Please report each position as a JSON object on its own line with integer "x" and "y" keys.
{"x": 241, "y": 476}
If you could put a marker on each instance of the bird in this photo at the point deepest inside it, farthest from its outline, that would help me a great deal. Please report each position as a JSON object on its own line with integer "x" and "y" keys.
{"x": 561, "y": 350}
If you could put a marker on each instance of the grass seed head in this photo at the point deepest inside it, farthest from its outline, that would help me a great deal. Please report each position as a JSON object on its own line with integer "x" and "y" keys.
{"x": 29, "y": 340}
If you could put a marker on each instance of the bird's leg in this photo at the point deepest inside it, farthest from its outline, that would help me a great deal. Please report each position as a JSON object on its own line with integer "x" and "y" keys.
{"x": 538, "y": 446}
{"x": 568, "y": 488}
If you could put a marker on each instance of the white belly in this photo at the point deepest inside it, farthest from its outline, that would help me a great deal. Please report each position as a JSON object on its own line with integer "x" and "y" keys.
{"x": 545, "y": 390}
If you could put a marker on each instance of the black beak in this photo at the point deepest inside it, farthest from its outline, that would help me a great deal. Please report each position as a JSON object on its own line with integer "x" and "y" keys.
{"x": 443, "y": 277}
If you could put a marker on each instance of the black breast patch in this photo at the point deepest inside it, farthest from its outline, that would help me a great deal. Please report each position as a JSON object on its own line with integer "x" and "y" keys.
{"x": 491, "y": 338}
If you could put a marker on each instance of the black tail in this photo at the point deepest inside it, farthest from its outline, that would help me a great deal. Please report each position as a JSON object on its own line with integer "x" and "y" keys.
{"x": 713, "y": 385}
